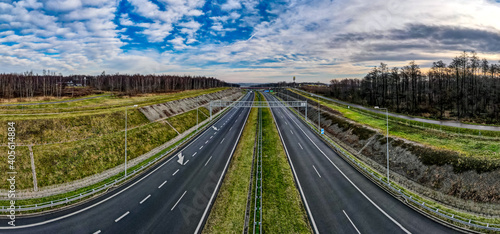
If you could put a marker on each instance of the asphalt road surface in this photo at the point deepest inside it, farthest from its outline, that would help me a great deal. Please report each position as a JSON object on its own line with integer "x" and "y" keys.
{"x": 337, "y": 198}
{"x": 169, "y": 198}
{"x": 430, "y": 121}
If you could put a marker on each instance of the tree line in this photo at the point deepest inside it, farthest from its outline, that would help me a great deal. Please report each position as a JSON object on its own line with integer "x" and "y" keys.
{"x": 49, "y": 84}
{"x": 468, "y": 88}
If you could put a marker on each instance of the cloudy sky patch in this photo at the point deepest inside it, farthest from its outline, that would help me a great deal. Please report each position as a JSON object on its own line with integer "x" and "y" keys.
{"x": 241, "y": 40}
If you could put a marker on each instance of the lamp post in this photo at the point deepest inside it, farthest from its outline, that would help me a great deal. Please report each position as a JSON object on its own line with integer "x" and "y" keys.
{"x": 319, "y": 112}
{"x": 387, "y": 143}
{"x": 126, "y": 114}
{"x": 198, "y": 99}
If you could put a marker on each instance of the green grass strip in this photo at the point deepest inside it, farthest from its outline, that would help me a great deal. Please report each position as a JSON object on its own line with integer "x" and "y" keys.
{"x": 228, "y": 212}
{"x": 283, "y": 211}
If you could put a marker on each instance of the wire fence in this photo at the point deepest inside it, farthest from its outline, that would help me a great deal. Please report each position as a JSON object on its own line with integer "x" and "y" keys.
{"x": 411, "y": 199}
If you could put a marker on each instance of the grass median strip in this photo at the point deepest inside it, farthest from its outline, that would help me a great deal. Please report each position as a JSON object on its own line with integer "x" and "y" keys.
{"x": 283, "y": 211}
{"x": 228, "y": 212}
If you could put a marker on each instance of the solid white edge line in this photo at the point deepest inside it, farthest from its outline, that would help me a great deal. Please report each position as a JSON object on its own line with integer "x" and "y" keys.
{"x": 220, "y": 179}
{"x": 114, "y": 195}
{"x": 121, "y": 217}
{"x": 146, "y": 198}
{"x": 208, "y": 161}
{"x": 173, "y": 207}
{"x": 316, "y": 171}
{"x": 351, "y": 221}
{"x": 161, "y": 185}
{"x": 175, "y": 172}
{"x": 296, "y": 177}
{"x": 341, "y": 172}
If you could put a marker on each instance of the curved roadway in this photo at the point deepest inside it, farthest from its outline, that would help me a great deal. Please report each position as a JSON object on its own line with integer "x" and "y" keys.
{"x": 168, "y": 198}
{"x": 337, "y": 197}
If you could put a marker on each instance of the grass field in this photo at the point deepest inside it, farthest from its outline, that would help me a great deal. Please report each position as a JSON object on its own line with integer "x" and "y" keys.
{"x": 102, "y": 104}
{"x": 474, "y": 146}
{"x": 27, "y": 172}
{"x": 228, "y": 213}
{"x": 65, "y": 162}
{"x": 283, "y": 211}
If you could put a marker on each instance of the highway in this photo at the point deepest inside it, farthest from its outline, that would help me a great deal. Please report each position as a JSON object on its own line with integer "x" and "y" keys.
{"x": 449, "y": 123}
{"x": 337, "y": 198}
{"x": 168, "y": 198}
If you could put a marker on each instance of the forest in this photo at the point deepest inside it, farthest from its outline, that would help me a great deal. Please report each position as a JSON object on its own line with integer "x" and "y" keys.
{"x": 28, "y": 85}
{"x": 467, "y": 89}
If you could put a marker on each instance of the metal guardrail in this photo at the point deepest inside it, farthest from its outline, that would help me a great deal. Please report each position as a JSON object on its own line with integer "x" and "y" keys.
{"x": 416, "y": 201}
{"x": 257, "y": 215}
{"x": 108, "y": 185}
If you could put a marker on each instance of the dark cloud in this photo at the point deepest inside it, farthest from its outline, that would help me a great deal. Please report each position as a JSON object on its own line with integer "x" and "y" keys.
{"x": 409, "y": 43}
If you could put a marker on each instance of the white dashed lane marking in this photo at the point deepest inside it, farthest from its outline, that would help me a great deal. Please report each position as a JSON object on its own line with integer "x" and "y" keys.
{"x": 121, "y": 217}
{"x": 161, "y": 185}
{"x": 146, "y": 198}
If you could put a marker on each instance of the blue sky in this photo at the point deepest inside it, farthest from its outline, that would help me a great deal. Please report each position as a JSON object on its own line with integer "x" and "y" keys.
{"x": 242, "y": 40}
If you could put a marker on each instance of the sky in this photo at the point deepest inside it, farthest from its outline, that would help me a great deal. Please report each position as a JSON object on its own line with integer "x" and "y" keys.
{"x": 242, "y": 40}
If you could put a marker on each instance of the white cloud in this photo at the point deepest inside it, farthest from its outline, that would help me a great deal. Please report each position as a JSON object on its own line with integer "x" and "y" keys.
{"x": 63, "y": 5}
{"x": 125, "y": 20}
{"x": 231, "y": 5}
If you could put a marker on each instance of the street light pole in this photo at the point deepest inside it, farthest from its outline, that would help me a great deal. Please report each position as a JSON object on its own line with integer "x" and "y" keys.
{"x": 126, "y": 118}
{"x": 319, "y": 116}
{"x": 387, "y": 140}
{"x": 197, "y": 113}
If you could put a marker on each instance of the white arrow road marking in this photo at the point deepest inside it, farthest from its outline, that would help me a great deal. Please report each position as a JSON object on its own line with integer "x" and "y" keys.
{"x": 143, "y": 200}
{"x": 178, "y": 201}
{"x": 214, "y": 128}
{"x": 121, "y": 217}
{"x": 181, "y": 158}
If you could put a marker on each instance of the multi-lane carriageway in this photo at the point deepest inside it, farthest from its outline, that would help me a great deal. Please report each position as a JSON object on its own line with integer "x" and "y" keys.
{"x": 175, "y": 198}
{"x": 169, "y": 198}
{"x": 337, "y": 198}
